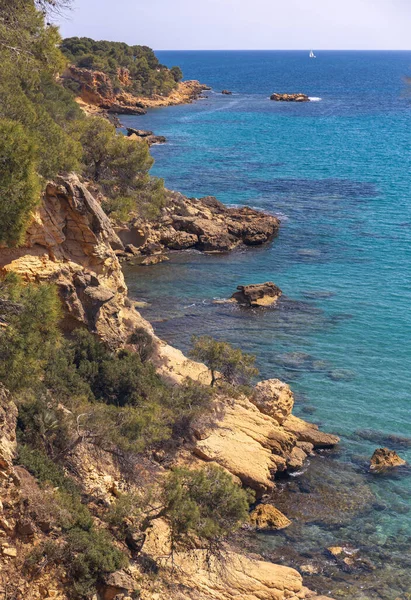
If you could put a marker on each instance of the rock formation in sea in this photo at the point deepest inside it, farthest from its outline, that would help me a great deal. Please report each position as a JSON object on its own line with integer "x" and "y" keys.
{"x": 290, "y": 97}
{"x": 257, "y": 294}
{"x": 384, "y": 459}
{"x": 148, "y": 136}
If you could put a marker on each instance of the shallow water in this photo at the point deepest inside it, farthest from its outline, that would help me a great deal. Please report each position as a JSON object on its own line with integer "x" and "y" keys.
{"x": 336, "y": 171}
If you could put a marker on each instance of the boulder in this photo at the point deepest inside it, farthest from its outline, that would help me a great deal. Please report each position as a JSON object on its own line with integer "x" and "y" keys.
{"x": 384, "y": 459}
{"x": 275, "y": 398}
{"x": 116, "y": 583}
{"x": 206, "y": 576}
{"x": 289, "y": 97}
{"x": 266, "y": 516}
{"x": 259, "y": 294}
{"x": 226, "y": 93}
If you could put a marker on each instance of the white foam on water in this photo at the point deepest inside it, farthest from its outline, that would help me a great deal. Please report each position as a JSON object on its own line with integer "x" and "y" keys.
{"x": 315, "y": 99}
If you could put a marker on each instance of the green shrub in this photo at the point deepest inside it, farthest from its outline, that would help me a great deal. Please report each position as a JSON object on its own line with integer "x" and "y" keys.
{"x": 45, "y": 470}
{"x": 88, "y": 556}
{"x": 19, "y": 184}
{"x": 235, "y": 366}
{"x": 143, "y": 343}
{"x": 32, "y": 334}
{"x": 205, "y": 504}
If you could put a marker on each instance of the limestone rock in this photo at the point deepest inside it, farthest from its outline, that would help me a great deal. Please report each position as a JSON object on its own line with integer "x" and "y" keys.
{"x": 384, "y": 459}
{"x": 258, "y": 294}
{"x": 205, "y": 224}
{"x": 289, "y": 97}
{"x": 274, "y": 398}
{"x": 147, "y": 136}
{"x": 154, "y": 260}
{"x": 117, "y": 583}
{"x": 226, "y": 92}
{"x": 307, "y": 432}
{"x": 210, "y": 579}
{"x": 249, "y": 444}
{"x": 266, "y": 516}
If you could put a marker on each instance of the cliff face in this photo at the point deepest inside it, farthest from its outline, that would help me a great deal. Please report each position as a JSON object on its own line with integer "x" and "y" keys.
{"x": 96, "y": 89}
{"x": 70, "y": 243}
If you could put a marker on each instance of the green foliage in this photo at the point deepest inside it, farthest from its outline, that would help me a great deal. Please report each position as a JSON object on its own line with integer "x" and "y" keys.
{"x": 235, "y": 366}
{"x": 146, "y": 75}
{"x": 44, "y": 469}
{"x": 19, "y": 184}
{"x": 176, "y": 73}
{"x": 205, "y": 504}
{"x": 35, "y": 113}
{"x": 120, "y": 166}
{"x": 88, "y": 557}
{"x": 32, "y": 332}
{"x": 143, "y": 343}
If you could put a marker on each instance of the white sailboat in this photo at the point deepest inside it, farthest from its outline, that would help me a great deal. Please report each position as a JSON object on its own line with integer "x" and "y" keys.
{"x": 312, "y": 55}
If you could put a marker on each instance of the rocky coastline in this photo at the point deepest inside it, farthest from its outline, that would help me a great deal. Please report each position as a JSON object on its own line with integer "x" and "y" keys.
{"x": 97, "y": 96}
{"x": 254, "y": 437}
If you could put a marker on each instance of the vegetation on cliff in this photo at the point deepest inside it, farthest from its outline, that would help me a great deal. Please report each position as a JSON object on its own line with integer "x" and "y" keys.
{"x": 135, "y": 69}
{"x": 43, "y": 132}
{"x": 75, "y": 391}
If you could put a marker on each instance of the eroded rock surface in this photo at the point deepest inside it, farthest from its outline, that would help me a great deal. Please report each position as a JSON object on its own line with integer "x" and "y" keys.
{"x": 266, "y": 517}
{"x": 204, "y": 224}
{"x": 96, "y": 89}
{"x": 384, "y": 459}
{"x": 235, "y": 576}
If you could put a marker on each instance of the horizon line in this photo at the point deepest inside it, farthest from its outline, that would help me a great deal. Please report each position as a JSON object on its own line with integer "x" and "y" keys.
{"x": 282, "y": 49}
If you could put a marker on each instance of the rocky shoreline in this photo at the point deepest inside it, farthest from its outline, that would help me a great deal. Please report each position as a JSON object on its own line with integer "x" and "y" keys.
{"x": 203, "y": 224}
{"x": 97, "y": 96}
{"x": 73, "y": 244}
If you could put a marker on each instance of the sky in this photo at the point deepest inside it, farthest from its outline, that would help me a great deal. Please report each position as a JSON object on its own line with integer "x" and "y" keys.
{"x": 245, "y": 24}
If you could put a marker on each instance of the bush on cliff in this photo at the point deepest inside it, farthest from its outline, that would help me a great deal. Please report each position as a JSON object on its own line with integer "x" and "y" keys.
{"x": 19, "y": 184}
{"x": 120, "y": 167}
{"x": 31, "y": 314}
{"x": 203, "y": 504}
{"x": 35, "y": 113}
{"x": 234, "y": 366}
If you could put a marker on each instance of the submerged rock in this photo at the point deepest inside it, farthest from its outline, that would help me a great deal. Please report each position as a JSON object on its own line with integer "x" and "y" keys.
{"x": 154, "y": 259}
{"x": 384, "y": 459}
{"x": 289, "y": 97}
{"x": 266, "y": 516}
{"x": 226, "y": 93}
{"x": 258, "y": 294}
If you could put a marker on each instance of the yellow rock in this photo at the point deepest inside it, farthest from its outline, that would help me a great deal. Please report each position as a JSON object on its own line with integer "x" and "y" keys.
{"x": 266, "y": 516}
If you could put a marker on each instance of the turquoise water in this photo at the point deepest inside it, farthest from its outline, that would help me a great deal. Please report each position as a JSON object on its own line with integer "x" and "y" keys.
{"x": 337, "y": 172}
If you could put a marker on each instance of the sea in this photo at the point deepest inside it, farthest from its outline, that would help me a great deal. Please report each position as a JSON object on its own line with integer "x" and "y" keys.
{"x": 336, "y": 171}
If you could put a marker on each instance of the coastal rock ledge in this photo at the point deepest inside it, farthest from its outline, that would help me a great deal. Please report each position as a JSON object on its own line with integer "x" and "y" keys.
{"x": 204, "y": 224}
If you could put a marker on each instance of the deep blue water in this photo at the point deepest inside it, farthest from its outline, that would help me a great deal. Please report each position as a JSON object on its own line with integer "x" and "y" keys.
{"x": 337, "y": 171}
